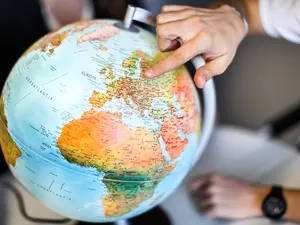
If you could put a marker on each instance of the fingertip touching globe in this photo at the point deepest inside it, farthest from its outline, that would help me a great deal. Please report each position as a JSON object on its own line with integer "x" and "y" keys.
{"x": 86, "y": 134}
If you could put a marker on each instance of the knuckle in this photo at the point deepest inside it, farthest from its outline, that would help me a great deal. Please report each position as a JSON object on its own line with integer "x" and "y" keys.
{"x": 214, "y": 178}
{"x": 217, "y": 177}
{"x": 188, "y": 12}
{"x": 226, "y": 7}
{"x": 206, "y": 36}
{"x": 159, "y": 18}
{"x": 213, "y": 189}
{"x": 179, "y": 56}
{"x": 196, "y": 21}
{"x": 160, "y": 31}
{"x": 164, "y": 8}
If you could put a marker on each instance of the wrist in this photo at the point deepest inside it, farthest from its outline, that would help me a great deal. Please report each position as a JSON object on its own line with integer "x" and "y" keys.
{"x": 246, "y": 26}
{"x": 239, "y": 16}
{"x": 260, "y": 193}
{"x": 249, "y": 9}
{"x": 236, "y": 20}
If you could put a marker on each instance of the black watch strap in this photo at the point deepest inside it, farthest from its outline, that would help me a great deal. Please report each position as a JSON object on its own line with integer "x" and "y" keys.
{"x": 277, "y": 190}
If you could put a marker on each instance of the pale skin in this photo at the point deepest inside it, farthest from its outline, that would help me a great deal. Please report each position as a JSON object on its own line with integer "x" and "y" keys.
{"x": 220, "y": 196}
{"x": 216, "y": 33}
{"x": 63, "y": 11}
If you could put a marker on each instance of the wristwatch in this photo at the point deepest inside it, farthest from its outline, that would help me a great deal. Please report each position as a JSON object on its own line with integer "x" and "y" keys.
{"x": 274, "y": 205}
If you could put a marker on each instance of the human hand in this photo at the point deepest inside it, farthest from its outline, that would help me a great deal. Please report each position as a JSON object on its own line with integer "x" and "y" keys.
{"x": 224, "y": 197}
{"x": 214, "y": 33}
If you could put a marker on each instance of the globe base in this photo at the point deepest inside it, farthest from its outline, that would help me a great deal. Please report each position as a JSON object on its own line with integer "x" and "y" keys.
{"x": 154, "y": 216}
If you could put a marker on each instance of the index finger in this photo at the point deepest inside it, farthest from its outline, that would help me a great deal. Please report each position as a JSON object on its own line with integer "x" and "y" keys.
{"x": 175, "y": 60}
{"x": 178, "y": 58}
{"x": 172, "y": 8}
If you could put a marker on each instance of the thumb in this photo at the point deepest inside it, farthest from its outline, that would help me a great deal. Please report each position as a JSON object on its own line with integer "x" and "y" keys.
{"x": 210, "y": 69}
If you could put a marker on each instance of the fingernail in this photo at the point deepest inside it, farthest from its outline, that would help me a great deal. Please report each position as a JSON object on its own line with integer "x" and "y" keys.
{"x": 206, "y": 74}
{"x": 200, "y": 81}
{"x": 148, "y": 73}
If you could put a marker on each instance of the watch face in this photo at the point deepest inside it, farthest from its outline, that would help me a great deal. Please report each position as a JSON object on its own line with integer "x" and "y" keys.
{"x": 275, "y": 206}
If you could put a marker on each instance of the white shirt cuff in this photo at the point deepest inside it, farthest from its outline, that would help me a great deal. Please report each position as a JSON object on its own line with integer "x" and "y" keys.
{"x": 280, "y": 18}
{"x": 266, "y": 18}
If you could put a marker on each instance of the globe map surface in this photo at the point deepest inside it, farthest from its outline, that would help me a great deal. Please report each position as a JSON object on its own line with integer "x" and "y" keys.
{"x": 86, "y": 134}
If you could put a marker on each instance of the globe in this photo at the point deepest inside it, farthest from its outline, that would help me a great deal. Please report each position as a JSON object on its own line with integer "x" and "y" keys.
{"x": 86, "y": 134}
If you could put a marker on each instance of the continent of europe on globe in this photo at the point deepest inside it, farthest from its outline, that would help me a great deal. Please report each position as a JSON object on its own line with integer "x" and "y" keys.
{"x": 86, "y": 134}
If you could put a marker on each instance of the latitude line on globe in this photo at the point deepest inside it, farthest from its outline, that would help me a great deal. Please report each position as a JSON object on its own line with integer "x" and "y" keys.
{"x": 22, "y": 99}
{"x": 51, "y": 184}
{"x": 29, "y": 169}
{"x": 83, "y": 50}
{"x": 55, "y": 79}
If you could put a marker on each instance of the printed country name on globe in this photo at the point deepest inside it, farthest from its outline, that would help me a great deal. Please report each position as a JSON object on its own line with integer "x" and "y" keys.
{"x": 39, "y": 89}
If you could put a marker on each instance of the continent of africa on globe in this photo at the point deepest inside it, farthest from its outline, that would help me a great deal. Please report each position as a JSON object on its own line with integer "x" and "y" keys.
{"x": 86, "y": 134}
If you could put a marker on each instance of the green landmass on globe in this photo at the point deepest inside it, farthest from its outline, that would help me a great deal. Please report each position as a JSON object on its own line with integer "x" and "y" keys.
{"x": 133, "y": 160}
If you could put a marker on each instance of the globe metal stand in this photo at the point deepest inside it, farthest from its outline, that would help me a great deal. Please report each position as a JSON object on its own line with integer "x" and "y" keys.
{"x": 122, "y": 222}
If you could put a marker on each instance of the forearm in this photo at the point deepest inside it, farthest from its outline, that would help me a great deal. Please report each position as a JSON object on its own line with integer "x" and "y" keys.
{"x": 249, "y": 9}
{"x": 293, "y": 202}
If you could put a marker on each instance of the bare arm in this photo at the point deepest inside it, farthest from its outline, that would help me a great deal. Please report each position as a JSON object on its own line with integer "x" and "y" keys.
{"x": 224, "y": 197}
{"x": 293, "y": 201}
